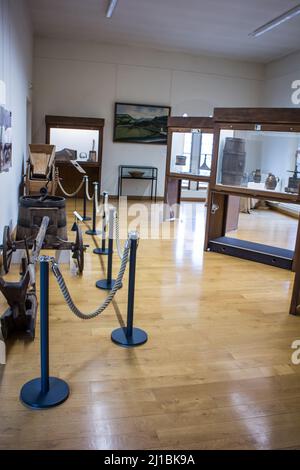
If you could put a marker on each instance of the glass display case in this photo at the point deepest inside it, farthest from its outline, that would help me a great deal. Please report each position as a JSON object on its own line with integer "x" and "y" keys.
{"x": 191, "y": 153}
{"x": 256, "y": 156}
{"x": 257, "y": 152}
{"x": 190, "y": 148}
{"x": 76, "y": 139}
{"x": 262, "y": 160}
{"x": 75, "y": 144}
{"x": 189, "y": 156}
{"x": 137, "y": 172}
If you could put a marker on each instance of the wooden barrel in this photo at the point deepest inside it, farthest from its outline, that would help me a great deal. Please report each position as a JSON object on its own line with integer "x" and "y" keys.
{"x": 234, "y": 161}
{"x": 31, "y": 212}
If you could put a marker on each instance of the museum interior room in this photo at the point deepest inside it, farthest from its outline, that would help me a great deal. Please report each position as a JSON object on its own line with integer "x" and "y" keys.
{"x": 149, "y": 225}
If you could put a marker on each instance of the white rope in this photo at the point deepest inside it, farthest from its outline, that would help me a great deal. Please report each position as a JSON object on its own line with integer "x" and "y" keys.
{"x": 117, "y": 229}
{"x": 102, "y": 208}
{"x": 87, "y": 190}
{"x": 70, "y": 194}
{"x": 67, "y": 296}
{"x": 96, "y": 196}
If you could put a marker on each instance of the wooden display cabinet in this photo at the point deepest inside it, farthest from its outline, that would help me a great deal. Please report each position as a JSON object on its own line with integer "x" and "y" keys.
{"x": 250, "y": 142}
{"x": 80, "y": 139}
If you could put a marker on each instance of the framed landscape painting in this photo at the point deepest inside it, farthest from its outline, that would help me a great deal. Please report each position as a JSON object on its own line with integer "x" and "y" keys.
{"x": 141, "y": 124}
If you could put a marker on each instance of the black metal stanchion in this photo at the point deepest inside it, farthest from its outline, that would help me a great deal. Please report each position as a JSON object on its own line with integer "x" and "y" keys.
{"x": 94, "y": 231}
{"x": 129, "y": 336}
{"x": 85, "y": 187}
{"x": 45, "y": 391}
{"x": 108, "y": 283}
{"x": 103, "y": 250}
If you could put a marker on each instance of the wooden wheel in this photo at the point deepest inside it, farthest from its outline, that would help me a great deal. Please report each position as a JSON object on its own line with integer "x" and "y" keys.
{"x": 8, "y": 249}
{"x": 78, "y": 250}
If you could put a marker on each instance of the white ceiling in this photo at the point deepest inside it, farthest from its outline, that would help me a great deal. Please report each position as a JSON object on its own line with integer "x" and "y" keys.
{"x": 210, "y": 27}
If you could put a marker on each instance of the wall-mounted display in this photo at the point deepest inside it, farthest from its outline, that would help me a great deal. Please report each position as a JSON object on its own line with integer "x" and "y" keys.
{"x": 142, "y": 124}
{"x": 5, "y": 140}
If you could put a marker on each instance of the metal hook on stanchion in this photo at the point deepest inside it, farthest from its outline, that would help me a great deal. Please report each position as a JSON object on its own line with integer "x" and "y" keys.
{"x": 108, "y": 283}
{"x": 103, "y": 250}
{"x": 86, "y": 186}
{"x": 44, "y": 392}
{"x": 129, "y": 336}
{"x": 94, "y": 231}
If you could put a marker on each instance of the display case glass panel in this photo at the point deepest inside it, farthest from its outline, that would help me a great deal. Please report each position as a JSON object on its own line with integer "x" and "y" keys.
{"x": 75, "y": 144}
{"x": 191, "y": 153}
{"x": 259, "y": 160}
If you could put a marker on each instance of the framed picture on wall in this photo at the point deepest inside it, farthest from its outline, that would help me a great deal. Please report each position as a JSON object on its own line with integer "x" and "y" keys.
{"x": 5, "y": 140}
{"x": 141, "y": 123}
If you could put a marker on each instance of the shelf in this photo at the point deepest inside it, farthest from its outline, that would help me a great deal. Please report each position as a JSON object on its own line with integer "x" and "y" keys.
{"x": 138, "y": 178}
{"x": 81, "y": 163}
{"x": 257, "y": 194}
{"x": 187, "y": 176}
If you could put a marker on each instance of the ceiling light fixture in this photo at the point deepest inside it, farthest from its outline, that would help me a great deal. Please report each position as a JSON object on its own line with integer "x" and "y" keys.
{"x": 112, "y": 5}
{"x": 288, "y": 15}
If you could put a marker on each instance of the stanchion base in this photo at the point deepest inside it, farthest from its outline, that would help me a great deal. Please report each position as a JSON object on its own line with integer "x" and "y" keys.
{"x": 32, "y": 397}
{"x": 103, "y": 284}
{"x": 93, "y": 232}
{"x": 138, "y": 337}
{"x": 99, "y": 251}
{"x": 86, "y": 218}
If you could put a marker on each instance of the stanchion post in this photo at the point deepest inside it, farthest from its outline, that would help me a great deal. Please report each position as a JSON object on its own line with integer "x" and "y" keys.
{"x": 44, "y": 392}
{"x": 103, "y": 250}
{"x": 44, "y": 325}
{"x": 85, "y": 187}
{"x": 94, "y": 231}
{"x": 129, "y": 336}
{"x": 108, "y": 283}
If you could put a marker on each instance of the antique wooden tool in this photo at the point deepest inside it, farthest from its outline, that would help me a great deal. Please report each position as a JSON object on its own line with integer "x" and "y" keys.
{"x": 21, "y": 295}
{"x": 32, "y": 209}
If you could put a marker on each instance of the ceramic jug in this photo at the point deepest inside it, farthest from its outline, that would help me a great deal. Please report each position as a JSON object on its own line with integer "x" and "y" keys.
{"x": 271, "y": 181}
{"x": 256, "y": 176}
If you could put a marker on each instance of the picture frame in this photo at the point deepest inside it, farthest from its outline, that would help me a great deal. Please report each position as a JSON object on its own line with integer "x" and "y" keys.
{"x": 141, "y": 123}
{"x": 5, "y": 140}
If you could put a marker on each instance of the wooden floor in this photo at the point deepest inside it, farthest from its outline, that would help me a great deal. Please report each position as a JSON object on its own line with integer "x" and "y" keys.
{"x": 216, "y": 372}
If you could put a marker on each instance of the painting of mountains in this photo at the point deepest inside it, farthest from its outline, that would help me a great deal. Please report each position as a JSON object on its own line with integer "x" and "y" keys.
{"x": 143, "y": 124}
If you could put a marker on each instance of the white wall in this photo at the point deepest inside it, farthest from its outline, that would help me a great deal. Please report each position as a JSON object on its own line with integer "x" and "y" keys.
{"x": 278, "y": 92}
{"x": 86, "y": 79}
{"x": 16, "y": 73}
{"x": 280, "y": 75}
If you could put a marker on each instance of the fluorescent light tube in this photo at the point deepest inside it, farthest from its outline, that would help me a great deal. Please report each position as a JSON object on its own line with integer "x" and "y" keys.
{"x": 276, "y": 22}
{"x": 112, "y": 5}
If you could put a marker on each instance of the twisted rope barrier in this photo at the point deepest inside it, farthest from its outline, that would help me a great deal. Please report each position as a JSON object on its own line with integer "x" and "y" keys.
{"x": 67, "y": 296}
{"x": 70, "y": 194}
{"x": 117, "y": 231}
{"x": 87, "y": 190}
